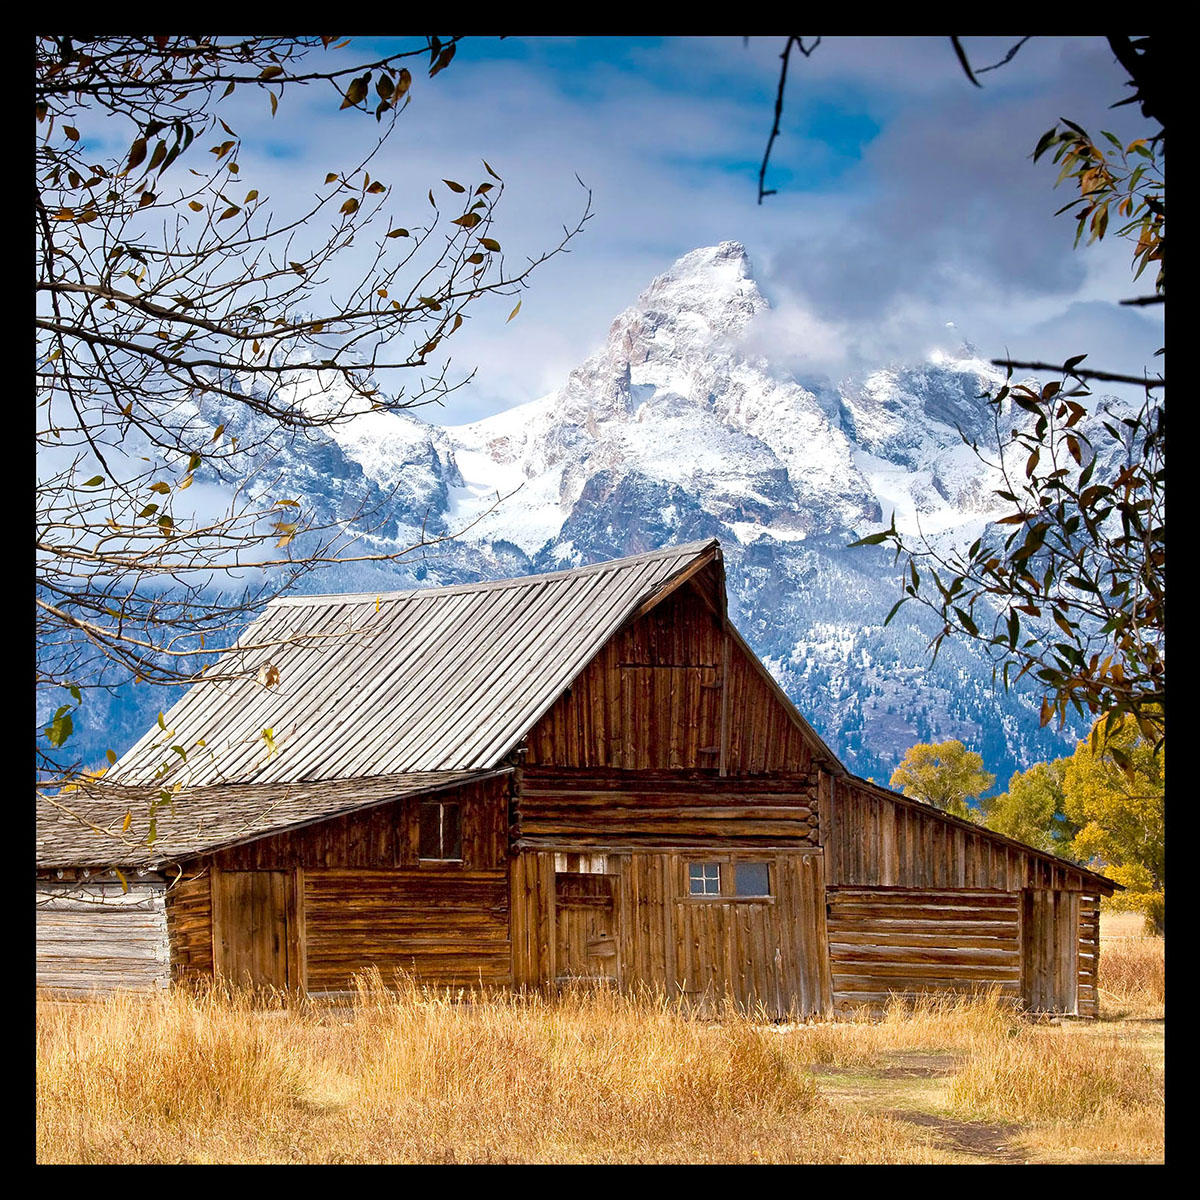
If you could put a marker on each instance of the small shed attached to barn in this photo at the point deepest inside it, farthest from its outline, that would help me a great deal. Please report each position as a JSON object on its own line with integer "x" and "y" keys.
{"x": 581, "y": 775}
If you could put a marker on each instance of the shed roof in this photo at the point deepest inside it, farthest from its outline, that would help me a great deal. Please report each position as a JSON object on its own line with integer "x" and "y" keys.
{"x": 438, "y": 679}
{"x": 197, "y": 821}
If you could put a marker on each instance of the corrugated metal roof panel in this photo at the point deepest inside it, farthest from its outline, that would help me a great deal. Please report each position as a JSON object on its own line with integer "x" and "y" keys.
{"x": 440, "y": 679}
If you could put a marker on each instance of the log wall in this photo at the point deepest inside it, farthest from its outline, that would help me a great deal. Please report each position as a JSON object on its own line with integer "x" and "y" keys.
{"x": 908, "y": 942}
{"x": 357, "y": 896}
{"x": 96, "y": 937}
{"x": 189, "y": 925}
{"x": 1089, "y": 954}
{"x": 447, "y": 928}
{"x": 385, "y": 836}
{"x": 667, "y": 808}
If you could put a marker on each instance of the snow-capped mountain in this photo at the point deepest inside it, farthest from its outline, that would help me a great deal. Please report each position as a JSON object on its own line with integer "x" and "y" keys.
{"x": 674, "y": 430}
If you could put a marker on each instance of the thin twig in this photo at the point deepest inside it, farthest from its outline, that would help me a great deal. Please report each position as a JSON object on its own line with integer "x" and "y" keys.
{"x": 787, "y": 52}
{"x": 1104, "y": 376}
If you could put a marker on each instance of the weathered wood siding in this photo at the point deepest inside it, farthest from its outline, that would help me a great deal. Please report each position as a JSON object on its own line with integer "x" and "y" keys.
{"x": 444, "y": 927}
{"x": 385, "y": 836}
{"x": 873, "y": 840}
{"x": 666, "y": 808}
{"x": 672, "y": 690}
{"x": 907, "y": 942}
{"x": 766, "y": 954}
{"x": 350, "y": 893}
{"x": 189, "y": 924}
{"x": 1051, "y": 965}
{"x": 95, "y": 937}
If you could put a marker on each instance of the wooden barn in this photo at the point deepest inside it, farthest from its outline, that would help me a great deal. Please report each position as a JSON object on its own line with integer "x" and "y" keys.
{"x": 582, "y": 775}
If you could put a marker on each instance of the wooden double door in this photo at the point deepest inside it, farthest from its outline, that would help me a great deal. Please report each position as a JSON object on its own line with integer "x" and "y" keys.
{"x": 256, "y": 929}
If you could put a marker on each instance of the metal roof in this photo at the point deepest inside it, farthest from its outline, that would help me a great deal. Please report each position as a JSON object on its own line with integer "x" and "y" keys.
{"x": 439, "y": 679}
{"x": 86, "y": 826}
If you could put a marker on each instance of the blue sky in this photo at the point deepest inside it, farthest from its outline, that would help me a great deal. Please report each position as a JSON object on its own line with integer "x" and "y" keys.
{"x": 908, "y": 212}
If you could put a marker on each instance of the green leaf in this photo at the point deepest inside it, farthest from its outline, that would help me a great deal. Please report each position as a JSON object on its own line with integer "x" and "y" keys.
{"x": 871, "y": 540}
{"x": 60, "y": 728}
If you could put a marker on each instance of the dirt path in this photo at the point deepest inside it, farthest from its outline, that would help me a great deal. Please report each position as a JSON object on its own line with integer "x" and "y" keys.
{"x": 914, "y": 1087}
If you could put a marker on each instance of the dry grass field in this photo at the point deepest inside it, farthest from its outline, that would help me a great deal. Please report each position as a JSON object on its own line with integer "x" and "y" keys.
{"x": 410, "y": 1076}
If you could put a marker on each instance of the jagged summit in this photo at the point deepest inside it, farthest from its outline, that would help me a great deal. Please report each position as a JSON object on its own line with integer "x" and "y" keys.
{"x": 706, "y": 294}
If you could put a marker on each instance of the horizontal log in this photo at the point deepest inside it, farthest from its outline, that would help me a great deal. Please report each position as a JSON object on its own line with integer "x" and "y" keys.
{"x": 943, "y": 929}
{"x": 667, "y": 801}
{"x": 713, "y": 834}
{"x": 614, "y": 844}
{"x": 534, "y": 776}
{"x": 900, "y": 937}
{"x": 962, "y": 909}
{"x": 967, "y": 899}
{"x": 699, "y": 811}
{"x": 843, "y": 953}
{"x": 903, "y": 975}
{"x": 845, "y": 1000}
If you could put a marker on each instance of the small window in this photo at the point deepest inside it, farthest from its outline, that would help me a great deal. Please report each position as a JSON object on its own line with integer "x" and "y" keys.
{"x": 441, "y": 832}
{"x": 704, "y": 879}
{"x": 752, "y": 879}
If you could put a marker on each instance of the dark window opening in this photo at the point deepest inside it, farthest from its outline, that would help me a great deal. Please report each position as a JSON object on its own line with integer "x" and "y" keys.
{"x": 752, "y": 879}
{"x": 441, "y": 831}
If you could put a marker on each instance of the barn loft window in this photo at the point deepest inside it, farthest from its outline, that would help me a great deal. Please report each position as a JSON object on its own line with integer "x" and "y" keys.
{"x": 441, "y": 831}
{"x": 704, "y": 879}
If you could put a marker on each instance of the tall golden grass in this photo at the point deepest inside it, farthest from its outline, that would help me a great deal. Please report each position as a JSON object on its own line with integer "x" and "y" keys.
{"x": 409, "y": 1074}
{"x": 1133, "y": 977}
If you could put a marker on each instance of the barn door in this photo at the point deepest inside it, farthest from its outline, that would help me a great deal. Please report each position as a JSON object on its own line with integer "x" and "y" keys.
{"x": 253, "y": 920}
{"x": 1050, "y": 950}
{"x": 585, "y": 927}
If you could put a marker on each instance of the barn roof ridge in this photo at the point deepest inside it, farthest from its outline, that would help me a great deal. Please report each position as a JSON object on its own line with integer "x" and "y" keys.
{"x": 488, "y": 585}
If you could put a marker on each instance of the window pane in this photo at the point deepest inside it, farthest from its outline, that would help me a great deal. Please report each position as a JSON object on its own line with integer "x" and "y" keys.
{"x": 451, "y": 831}
{"x": 704, "y": 879}
{"x": 441, "y": 831}
{"x": 752, "y": 879}
{"x": 430, "y": 845}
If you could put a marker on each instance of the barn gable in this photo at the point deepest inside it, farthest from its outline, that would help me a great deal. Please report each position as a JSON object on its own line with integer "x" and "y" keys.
{"x": 677, "y": 687}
